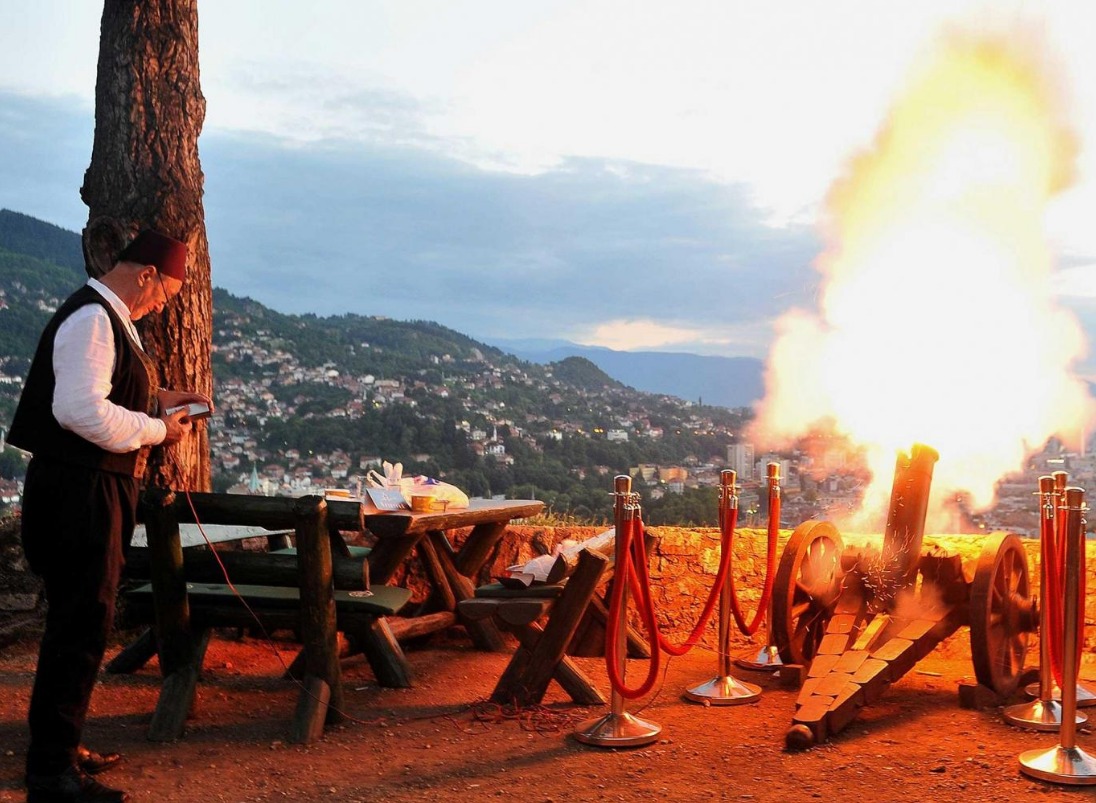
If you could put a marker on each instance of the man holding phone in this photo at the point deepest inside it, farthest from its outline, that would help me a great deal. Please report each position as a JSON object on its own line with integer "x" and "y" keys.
{"x": 90, "y": 411}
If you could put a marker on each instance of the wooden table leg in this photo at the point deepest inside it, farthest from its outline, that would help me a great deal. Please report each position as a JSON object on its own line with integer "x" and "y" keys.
{"x": 485, "y": 634}
{"x": 477, "y": 548}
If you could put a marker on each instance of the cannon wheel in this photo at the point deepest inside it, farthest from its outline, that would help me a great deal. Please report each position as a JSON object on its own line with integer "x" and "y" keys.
{"x": 805, "y": 590}
{"x": 1001, "y": 613}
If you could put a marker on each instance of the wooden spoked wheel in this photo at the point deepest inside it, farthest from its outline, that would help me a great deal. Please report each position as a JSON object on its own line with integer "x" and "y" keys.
{"x": 805, "y": 590}
{"x": 1002, "y": 613}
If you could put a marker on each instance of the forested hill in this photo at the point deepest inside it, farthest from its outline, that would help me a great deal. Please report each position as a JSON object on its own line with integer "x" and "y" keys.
{"x": 310, "y": 399}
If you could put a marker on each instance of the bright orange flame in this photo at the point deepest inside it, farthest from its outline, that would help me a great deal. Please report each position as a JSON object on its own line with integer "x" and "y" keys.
{"x": 937, "y": 323}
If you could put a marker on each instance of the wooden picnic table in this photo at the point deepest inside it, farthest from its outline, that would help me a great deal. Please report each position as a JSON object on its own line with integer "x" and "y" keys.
{"x": 451, "y": 572}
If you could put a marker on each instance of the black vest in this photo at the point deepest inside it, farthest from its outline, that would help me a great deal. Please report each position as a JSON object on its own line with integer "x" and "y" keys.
{"x": 133, "y": 386}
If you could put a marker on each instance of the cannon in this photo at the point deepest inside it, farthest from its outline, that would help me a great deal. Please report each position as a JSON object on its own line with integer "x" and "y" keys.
{"x": 858, "y": 618}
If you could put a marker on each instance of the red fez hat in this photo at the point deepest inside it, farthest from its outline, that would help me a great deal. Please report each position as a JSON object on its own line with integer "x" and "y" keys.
{"x": 152, "y": 248}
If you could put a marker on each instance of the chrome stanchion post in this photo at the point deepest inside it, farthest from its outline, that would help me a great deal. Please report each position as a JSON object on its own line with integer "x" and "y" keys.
{"x": 725, "y": 689}
{"x": 767, "y": 658}
{"x": 1085, "y": 697}
{"x": 1043, "y": 713}
{"x": 1066, "y": 763}
{"x": 618, "y": 728}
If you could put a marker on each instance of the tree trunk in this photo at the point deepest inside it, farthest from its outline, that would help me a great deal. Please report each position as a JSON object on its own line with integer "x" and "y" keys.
{"x": 145, "y": 173}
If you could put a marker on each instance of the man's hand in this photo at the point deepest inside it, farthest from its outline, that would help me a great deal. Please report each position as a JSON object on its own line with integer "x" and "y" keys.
{"x": 178, "y": 427}
{"x": 174, "y": 398}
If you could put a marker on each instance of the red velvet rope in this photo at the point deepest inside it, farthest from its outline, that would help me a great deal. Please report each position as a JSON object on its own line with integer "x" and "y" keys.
{"x": 767, "y": 589}
{"x": 638, "y": 578}
{"x": 1054, "y": 530}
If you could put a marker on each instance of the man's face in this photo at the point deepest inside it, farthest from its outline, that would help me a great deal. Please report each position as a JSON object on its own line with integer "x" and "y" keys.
{"x": 155, "y": 291}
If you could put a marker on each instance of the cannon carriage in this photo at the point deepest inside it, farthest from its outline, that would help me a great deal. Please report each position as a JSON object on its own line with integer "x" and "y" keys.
{"x": 857, "y": 618}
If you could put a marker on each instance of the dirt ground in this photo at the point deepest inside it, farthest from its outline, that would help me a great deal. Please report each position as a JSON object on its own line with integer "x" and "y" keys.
{"x": 429, "y": 743}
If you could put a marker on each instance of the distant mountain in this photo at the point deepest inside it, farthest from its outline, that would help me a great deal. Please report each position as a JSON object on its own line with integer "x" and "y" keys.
{"x": 725, "y": 381}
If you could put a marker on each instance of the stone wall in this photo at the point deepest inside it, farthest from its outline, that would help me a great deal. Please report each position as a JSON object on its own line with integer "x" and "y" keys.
{"x": 683, "y": 566}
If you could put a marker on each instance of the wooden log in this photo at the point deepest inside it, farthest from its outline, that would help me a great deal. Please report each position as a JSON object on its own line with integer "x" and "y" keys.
{"x": 441, "y": 592}
{"x": 134, "y": 655}
{"x": 526, "y": 677}
{"x": 407, "y": 628}
{"x": 177, "y": 695}
{"x": 599, "y": 615}
{"x": 571, "y": 679}
{"x": 478, "y": 547}
{"x": 382, "y": 650}
{"x": 318, "y": 622}
{"x": 313, "y": 706}
{"x": 252, "y": 568}
{"x": 271, "y": 512}
{"x": 485, "y": 634}
{"x": 173, "y": 634}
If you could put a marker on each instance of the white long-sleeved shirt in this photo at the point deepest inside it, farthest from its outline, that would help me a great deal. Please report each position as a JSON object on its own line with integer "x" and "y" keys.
{"x": 83, "y": 362}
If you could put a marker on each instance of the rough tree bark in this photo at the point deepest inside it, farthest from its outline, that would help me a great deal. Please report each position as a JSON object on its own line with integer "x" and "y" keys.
{"x": 145, "y": 173}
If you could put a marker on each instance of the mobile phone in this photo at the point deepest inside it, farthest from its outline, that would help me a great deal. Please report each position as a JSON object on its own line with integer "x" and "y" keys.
{"x": 194, "y": 410}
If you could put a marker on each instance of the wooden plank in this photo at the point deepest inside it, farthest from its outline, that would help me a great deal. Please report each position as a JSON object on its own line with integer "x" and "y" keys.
{"x": 806, "y": 691}
{"x": 568, "y": 675}
{"x": 270, "y": 512}
{"x": 850, "y": 661}
{"x": 873, "y": 677}
{"x": 523, "y": 611}
{"x": 833, "y": 684}
{"x": 916, "y": 629}
{"x": 251, "y": 568}
{"x": 402, "y": 523}
{"x": 900, "y": 655}
{"x": 813, "y": 716}
{"x": 866, "y": 639}
{"x": 821, "y": 665}
{"x": 476, "y": 609}
{"x": 833, "y": 644}
{"x": 841, "y": 623}
{"x": 845, "y": 708}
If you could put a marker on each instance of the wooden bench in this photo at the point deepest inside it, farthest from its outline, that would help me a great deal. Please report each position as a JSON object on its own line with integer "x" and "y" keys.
{"x": 360, "y": 614}
{"x": 540, "y": 655}
{"x": 183, "y": 624}
{"x": 575, "y": 625}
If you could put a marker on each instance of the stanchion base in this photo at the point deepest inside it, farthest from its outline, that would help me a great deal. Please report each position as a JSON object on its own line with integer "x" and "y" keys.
{"x": 1085, "y": 698}
{"x": 726, "y": 690}
{"x": 1040, "y": 715}
{"x": 766, "y": 660}
{"x": 617, "y": 730}
{"x": 1071, "y": 766}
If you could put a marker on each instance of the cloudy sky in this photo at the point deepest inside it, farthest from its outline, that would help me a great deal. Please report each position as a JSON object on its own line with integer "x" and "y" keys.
{"x": 635, "y": 174}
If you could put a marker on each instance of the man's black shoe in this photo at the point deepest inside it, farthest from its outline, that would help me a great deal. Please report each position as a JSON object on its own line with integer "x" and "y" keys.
{"x": 71, "y": 786}
{"x": 93, "y": 763}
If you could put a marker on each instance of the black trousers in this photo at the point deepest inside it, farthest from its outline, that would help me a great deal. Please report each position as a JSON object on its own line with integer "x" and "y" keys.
{"x": 77, "y": 523}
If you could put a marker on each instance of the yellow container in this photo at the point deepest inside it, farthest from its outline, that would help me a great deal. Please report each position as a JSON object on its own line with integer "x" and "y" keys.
{"x": 422, "y": 504}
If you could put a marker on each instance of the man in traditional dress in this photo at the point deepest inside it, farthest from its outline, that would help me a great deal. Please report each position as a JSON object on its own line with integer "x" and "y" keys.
{"x": 90, "y": 412}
